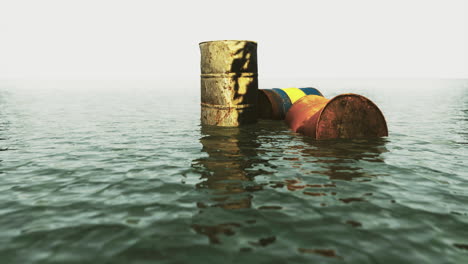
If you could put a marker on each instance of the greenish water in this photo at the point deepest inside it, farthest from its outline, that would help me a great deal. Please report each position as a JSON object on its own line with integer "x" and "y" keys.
{"x": 127, "y": 175}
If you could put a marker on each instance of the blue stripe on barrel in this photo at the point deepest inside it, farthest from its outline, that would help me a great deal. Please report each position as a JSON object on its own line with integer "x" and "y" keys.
{"x": 311, "y": 90}
{"x": 286, "y": 102}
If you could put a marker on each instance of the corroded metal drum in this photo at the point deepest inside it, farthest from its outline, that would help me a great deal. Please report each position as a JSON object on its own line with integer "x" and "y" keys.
{"x": 303, "y": 109}
{"x": 229, "y": 82}
{"x": 275, "y": 103}
{"x": 344, "y": 116}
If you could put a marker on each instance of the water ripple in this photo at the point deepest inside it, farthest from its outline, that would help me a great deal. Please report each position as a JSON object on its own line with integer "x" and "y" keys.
{"x": 131, "y": 176}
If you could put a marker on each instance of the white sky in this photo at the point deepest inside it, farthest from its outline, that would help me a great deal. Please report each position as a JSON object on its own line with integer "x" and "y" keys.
{"x": 155, "y": 40}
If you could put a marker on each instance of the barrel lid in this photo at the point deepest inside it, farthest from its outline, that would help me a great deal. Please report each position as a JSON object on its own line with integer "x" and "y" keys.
{"x": 350, "y": 116}
{"x": 228, "y": 40}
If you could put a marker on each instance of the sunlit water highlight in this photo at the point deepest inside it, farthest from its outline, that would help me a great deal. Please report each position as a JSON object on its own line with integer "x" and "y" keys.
{"x": 129, "y": 176}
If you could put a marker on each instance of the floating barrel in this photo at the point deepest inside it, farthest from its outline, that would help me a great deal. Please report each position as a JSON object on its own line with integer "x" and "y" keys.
{"x": 275, "y": 103}
{"x": 229, "y": 84}
{"x": 344, "y": 116}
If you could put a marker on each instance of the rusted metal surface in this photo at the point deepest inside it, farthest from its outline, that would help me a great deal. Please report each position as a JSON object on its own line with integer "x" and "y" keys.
{"x": 264, "y": 106}
{"x": 271, "y": 104}
{"x": 345, "y": 116}
{"x": 229, "y": 82}
{"x": 303, "y": 109}
{"x": 350, "y": 116}
{"x": 275, "y": 103}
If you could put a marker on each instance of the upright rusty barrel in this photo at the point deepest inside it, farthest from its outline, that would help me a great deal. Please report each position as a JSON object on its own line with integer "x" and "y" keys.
{"x": 229, "y": 82}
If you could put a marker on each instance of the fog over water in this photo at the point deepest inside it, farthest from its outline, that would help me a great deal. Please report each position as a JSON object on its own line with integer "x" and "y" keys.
{"x": 153, "y": 40}
{"x": 103, "y": 158}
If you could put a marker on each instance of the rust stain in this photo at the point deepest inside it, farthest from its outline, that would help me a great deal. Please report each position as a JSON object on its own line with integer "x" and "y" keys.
{"x": 351, "y": 116}
{"x": 344, "y": 116}
{"x": 302, "y": 110}
{"x": 271, "y": 104}
{"x": 229, "y": 83}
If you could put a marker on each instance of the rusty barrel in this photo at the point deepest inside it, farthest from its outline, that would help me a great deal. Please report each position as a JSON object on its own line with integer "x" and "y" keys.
{"x": 229, "y": 82}
{"x": 275, "y": 103}
{"x": 344, "y": 116}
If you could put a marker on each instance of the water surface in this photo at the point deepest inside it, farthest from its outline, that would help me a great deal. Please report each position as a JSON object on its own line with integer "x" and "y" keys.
{"x": 128, "y": 175}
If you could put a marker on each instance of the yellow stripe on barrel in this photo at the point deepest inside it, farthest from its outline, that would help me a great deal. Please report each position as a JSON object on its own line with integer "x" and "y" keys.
{"x": 294, "y": 94}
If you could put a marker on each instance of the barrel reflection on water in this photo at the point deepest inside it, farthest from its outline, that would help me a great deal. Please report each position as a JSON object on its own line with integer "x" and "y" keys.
{"x": 230, "y": 154}
{"x": 226, "y": 176}
{"x": 233, "y": 155}
{"x": 340, "y": 158}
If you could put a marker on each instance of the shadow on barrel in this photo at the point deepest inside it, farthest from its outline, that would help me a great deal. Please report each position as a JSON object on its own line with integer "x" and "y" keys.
{"x": 229, "y": 82}
{"x": 245, "y": 61}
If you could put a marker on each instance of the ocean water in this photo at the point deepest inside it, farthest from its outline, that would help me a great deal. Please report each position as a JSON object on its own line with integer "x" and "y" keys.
{"x": 126, "y": 174}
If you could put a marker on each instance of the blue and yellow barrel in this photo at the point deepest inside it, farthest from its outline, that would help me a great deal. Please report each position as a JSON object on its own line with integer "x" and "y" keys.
{"x": 275, "y": 103}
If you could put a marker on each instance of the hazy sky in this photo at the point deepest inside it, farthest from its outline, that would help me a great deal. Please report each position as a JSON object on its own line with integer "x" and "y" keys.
{"x": 153, "y": 40}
